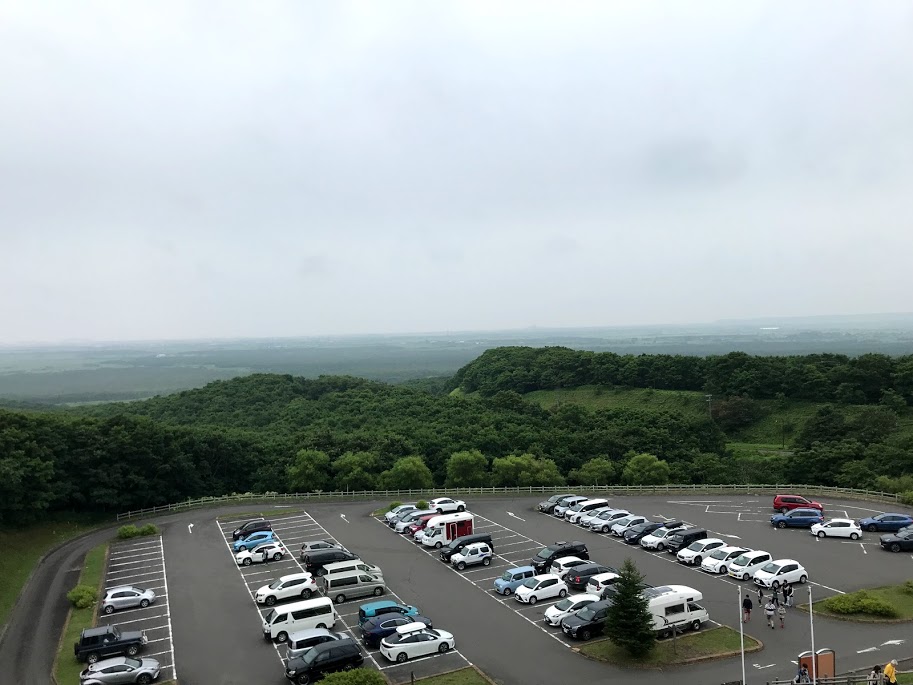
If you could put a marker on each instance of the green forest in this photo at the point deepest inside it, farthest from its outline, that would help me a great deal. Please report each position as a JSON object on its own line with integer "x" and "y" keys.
{"x": 279, "y": 433}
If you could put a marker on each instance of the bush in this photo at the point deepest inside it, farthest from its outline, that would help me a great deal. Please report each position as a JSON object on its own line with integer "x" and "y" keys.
{"x": 393, "y": 505}
{"x": 131, "y": 531}
{"x": 907, "y": 587}
{"x": 149, "y": 529}
{"x": 906, "y": 498}
{"x": 860, "y": 603}
{"x": 421, "y": 504}
{"x": 358, "y": 676}
{"x": 82, "y": 596}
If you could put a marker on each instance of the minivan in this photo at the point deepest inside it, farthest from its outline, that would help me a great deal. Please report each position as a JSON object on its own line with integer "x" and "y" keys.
{"x": 301, "y": 642}
{"x": 314, "y": 562}
{"x": 352, "y": 585}
{"x": 350, "y": 566}
{"x": 329, "y": 657}
{"x": 513, "y": 578}
{"x": 547, "y": 555}
{"x": 684, "y": 538}
{"x": 460, "y": 543}
{"x": 282, "y": 621}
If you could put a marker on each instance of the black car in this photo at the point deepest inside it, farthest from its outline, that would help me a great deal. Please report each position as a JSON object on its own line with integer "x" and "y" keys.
{"x": 588, "y": 621}
{"x": 578, "y": 577}
{"x": 315, "y": 561}
{"x": 105, "y": 641}
{"x": 329, "y": 657}
{"x": 901, "y": 541}
{"x": 252, "y": 526}
{"x": 383, "y": 625}
{"x": 548, "y": 506}
{"x": 460, "y": 543}
{"x": 543, "y": 560}
{"x": 633, "y": 535}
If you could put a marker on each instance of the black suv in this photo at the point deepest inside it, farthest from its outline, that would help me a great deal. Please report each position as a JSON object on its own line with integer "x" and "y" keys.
{"x": 329, "y": 657}
{"x": 542, "y": 562}
{"x": 252, "y": 526}
{"x": 588, "y": 621}
{"x": 633, "y": 535}
{"x": 578, "y": 577}
{"x": 548, "y": 506}
{"x": 315, "y": 561}
{"x": 460, "y": 543}
{"x": 105, "y": 641}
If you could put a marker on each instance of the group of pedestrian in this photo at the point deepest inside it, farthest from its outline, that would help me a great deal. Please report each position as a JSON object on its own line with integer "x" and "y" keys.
{"x": 773, "y": 607}
{"x": 886, "y": 676}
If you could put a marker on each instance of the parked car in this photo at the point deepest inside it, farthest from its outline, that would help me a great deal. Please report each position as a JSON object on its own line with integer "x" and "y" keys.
{"x": 376, "y": 629}
{"x": 105, "y": 641}
{"x": 623, "y": 524}
{"x": 885, "y": 523}
{"x": 303, "y": 641}
{"x": 694, "y": 554}
{"x": 252, "y": 526}
{"x": 598, "y": 584}
{"x": 775, "y": 573}
{"x": 386, "y": 606}
{"x": 545, "y": 556}
{"x": 901, "y": 541}
{"x": 126, "y": 597}
{"x": 292, "y": 586}
{"x": 566, "y": 607}
{"x": 685, "y": 537}
{"x": 635, "y": 534}
{"x": 588, "y": 621}
{"x": 401, "y": 523}
{"x": 583, "y": 508}
{"x": 442, "y": 505}
{"x": 271, "y": 551}
{"x": 560, "y": 567}
{"x": 317, "y": 545}
{"x": 579, "y": 576}
{"x": 743, "y": 567}
{"x": 447, "y": 551}
{"x": 784, "y": 503}
{"x": 329, "y": 657}
{"x": 513, "y": 578}
{"x": 837, "y": 528}
{"x": 604, "y": 522}
{"x": 797, "y": 518}
{"x": 352, "y": 585}
{"x": 548, "y": 506}
{"x": 587, "y": 519}
{"x": 415, "y": 640}
{"x": 121, "y": 669}
{"x": 315, "y": 561}
{"x": 252, "y": 540}
{"x": 400, "y": 509}
{"x": 719, "y": 559}
{"x": 658, "y": 539}
{"x": 561, "y": 509}
{"x": 479, "y": 553}
{"x": 546, "y": 586}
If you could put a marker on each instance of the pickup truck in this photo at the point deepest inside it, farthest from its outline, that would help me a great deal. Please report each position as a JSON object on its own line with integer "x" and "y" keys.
{"x": 105, "y": 641}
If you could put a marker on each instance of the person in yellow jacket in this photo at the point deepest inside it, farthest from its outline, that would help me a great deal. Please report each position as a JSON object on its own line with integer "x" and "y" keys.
{"x": 890, "y": 672}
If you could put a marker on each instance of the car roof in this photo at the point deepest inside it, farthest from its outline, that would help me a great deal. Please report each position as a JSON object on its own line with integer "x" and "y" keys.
{"x": 521, "y": 568}
{"x": 781, "y": 562}
{"x": 756, "y": 552}
{"x": 119, "y": 588}
{"x": 99, "y": 630}
{"x": 565, "y": 560}
{"x": 730, "y": 548}
{"x": 309, "y": 632}
{"x": 324, "y": 646}
{"x": 546, "y": 576}
{"x": 374, "y": 606}
{"x": 293, "y": 576}
{"x": 104, "y": 663}
{"x": 604, "y": 576}
{"x": 586, "y": 595}
{"x": 565, "y": 543}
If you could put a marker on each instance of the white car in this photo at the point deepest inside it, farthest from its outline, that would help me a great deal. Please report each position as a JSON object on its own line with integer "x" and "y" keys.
{"x": 600, "y": 582}
{"x": 743, "y": 567}
{"x": 694, "y": 553}
{"x": 775, "y": 573}
{"x": 588, "y": 517}
{"x": 581, "y": 509}
{"x": 414, "y": 640}
{"x": 622, "y": 524}
{"x": 566, "y": 607}
{"x": 560, "y": 567}
{"x": 719, "y": 559}
{"x": 444, "y": 504}
{"x": 838, "y": 528}
{"x": 472, "y": 554}
{"x": 658, "y": 538}
{"x": 604, "y": 522}
{"x": 270, "y": 551}
{"x": 546, "y": 586}
{"x": 401, "y": 509}
{"x": 297, "y": 585}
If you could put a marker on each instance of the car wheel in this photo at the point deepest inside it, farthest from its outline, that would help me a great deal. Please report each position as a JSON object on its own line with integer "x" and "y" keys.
{"x": 745, "y": 576}
{"x": 695, "y": 625}
{"x": 461, "y": 565}
{"x": 532, "y": 599}
{"x": 873, "y": 528}
{"x": 378, "y": 591}
{"x": 322, "y": 626}
{"x": 340, "y": 599}
{"x": 305, "y": 594}
{"x": 437, "y": 545}
{"x": 144, "y": 679}
{"x": 585, "y": 635}
{"x": 802, "y": 579}
{"x": 303, "y": 680}
{"x": 822, "y": 534}
{"x": 270, "y": 601}
{"x": 144, "y": 603}
{"x": 92, "y": 658}
{"x": 486, "y": 561}
{"x": 401, "y": 658}
{"x": 854, "y": 536}
{"x": 781, "y": 524}
{"x": 697, "y": 560}
{"x": 461, "y": 508}
{"x": 246, "y": 561}
{"x": 783, "y": 510}
{"x": 109, "y": 609}
{"x": 443, "y": 648}
{"x": 282, "y": 637}
{"x": 660, "y": 547}
{"x": 277, "y": 556}
{"x": 895, "y": 547}
{"x": 723, "y": 570}
{"x": 604, "y": 529}
{"x": 348, "y": 667}
{"x": 132, "y": 650}
{"x": 242, "y": 548}
{"x": 507, "y": 591}
{"x": 440, "y": 511}
{"x": 562, "y": 594}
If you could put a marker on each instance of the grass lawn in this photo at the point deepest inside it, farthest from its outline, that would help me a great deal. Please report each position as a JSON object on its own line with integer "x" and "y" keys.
{"x": 898, "y": 596}
{"x": 465, "y": 676}
{"x": 703, "y": 644}
{"x": 31, "y": 543}
{"x": 66, "y": 667}
{"x": 905, "y": 678}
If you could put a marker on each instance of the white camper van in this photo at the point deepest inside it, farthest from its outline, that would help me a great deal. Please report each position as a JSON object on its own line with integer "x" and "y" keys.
{"x": 675, "y": 606}
{"x": 444, "y": 529}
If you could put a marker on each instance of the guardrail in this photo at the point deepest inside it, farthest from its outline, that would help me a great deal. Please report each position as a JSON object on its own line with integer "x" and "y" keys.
{"x": 391, "y": 495}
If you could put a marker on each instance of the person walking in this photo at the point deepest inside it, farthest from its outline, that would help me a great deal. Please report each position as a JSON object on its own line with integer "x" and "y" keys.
{"x": 781, "y": 612}
{"x": 803, "y": 676}
{"x": 875, "y": 676}
{"x": 890, "y": 673}
{"x": 747, "y": 606}
{"x": 769, "y": 610}
{"x": 760, "y": 596}
{"x": 788, "y": 594}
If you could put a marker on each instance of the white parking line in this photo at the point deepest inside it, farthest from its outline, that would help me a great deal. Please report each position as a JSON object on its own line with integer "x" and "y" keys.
{"x": 138, "y": 575}
{"x": 425, "y": 658}
{"x": 131, "y": 563}
{"x": 137, "y": 545}
{"x": 115, "y": 555}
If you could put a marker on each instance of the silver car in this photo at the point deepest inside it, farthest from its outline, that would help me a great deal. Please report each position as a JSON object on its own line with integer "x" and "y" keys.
{"x": 126, "y": 597}
{"x": 121, "y": 669}
{"x": 304, "y": 641}
{"x": 315, "y": 545}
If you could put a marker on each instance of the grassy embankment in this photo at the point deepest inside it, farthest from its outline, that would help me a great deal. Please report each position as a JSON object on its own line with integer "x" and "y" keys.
{"x": 706, "y": 644}
{"x": 66, "y": 667}
{"x": 891, "y": 603}
{"x": 465, "y": 676}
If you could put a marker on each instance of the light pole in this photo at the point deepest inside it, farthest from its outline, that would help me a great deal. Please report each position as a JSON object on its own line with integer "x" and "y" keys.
{"x": 742, "y": 635}
{"x": 811, "y": 623}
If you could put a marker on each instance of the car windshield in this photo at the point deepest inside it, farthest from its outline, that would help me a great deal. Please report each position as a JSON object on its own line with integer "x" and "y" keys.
{"x": 554, "y": 498}
{"x": 270, "y": 616}
{"x": 640, "y": 527}
{"x": 275, "y": 584}
{"x": 577, "y": 506}
{"x": 564, "y": 604}
{"x": 507, "y": 576}
{"x": 132, "y": 663}
{"x": 544, "y": 553}
{"x": 625, "y": 521}
{"x": 586, "y": 614}
{"x": 718, "y": 554}
{"x": 530, "y": 583}
{"x": 771, "y": 568}
{"x": 741, "y": 561}
{"x": 695, "y": 546}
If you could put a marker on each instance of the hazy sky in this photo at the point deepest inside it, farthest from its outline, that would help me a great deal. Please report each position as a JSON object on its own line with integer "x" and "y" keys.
{"x": 216, "y": 169}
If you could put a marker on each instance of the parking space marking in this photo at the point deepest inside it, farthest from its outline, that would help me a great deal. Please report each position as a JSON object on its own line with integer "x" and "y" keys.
{"x": 132, "y": 556}
{"x": 138, "y": 575}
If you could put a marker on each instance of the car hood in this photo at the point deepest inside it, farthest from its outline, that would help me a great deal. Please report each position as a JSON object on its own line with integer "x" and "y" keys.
{"x": 891, "y": 538}
{"x": 574, "y": 621}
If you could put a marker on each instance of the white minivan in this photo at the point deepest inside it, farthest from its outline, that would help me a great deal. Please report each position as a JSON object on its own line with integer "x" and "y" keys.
{"x": 743, "y": 567}
{"x": 282, "y": 621}
{"x": 675, "y": 607}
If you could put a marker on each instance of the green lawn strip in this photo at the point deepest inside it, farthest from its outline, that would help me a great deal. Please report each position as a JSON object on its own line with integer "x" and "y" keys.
{"x": 464, "y": 676}
{"x": 31, "y": 543}
{"x": 905, "y": 678}
{"x": 898, "y": 596}
{"x": 706, "y": 644}
{"x": 66, "y": 667}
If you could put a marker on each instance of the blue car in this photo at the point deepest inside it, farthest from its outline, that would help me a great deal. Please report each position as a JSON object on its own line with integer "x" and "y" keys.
{"x": 368, "y": 611}
{"x": 376, "y": 629}
{"x": 885, "y": 522}
{"x": 797, "y": 518}
{"x": 513, "y": 578}
{"x": 253, "y": 540}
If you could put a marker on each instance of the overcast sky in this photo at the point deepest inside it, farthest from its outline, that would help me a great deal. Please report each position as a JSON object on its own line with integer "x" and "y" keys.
{"x": 221, "y": 169}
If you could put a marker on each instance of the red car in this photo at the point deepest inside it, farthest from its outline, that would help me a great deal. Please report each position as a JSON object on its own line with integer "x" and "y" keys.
{"x": 784, "y": 503}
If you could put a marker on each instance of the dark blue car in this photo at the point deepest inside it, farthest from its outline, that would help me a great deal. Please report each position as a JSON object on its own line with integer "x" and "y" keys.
{"x": 797, "y": 518}
{"x": 885, "y": 522}
{"x": 384, "y": 625}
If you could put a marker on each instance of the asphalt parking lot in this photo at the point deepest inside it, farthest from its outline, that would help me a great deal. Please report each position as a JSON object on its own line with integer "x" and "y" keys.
{"x": 141, "y": 562}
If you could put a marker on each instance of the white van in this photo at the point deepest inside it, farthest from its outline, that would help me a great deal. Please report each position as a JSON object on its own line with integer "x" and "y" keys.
{"x": 743, "y": 567}
{"x": 282, "y": 621}
{"x": 353, "y": 565}
{"x": 444, "y": 529}
{"x": 583, "y": 508}
{"x": 675, "y": 606}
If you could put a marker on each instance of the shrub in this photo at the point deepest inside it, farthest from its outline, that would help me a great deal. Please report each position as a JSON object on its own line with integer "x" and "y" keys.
{"x": 393, "y": 505}
{"x": 149, "y": 529}
{"x": 860, "y": 603}
{"x": 82, "y": 596}
{"x": 421, "y": 504}
{"x": 906, "y": 498}
{"x": 358, "y": 676}
{"x": 131, "y": 531}
{"x": 907, "y": 587}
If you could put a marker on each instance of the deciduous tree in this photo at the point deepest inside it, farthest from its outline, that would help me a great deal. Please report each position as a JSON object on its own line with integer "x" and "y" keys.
{"x": 309, "y": 472}
{"x": 646, "y": 469}
{"x": 467, "y": 469}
